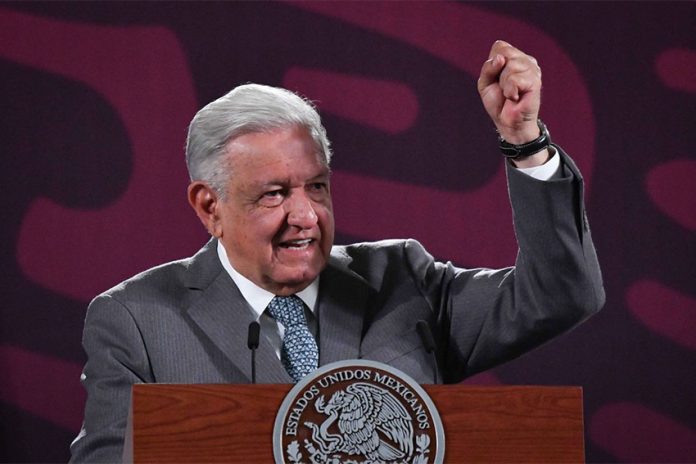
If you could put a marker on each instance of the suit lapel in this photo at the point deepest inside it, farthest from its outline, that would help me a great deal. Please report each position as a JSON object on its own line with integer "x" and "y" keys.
{"x": 224, "y": 316}
{"x": 343, "y": 299}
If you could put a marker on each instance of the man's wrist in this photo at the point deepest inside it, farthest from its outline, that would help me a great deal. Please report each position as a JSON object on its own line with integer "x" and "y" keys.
{"x": 519, "y": 137}
{"x": 522, "y": 150}
{"x": 537, "y": 159}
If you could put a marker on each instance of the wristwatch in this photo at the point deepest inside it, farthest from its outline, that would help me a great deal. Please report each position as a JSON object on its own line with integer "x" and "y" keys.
{"x": 526, "y": 149}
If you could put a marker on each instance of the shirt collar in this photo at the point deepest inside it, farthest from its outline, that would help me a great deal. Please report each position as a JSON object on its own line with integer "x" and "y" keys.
{"x": 257, "y": 297}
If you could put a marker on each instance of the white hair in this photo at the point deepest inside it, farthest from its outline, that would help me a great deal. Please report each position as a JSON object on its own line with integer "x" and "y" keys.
{"x": 245, "y": 109}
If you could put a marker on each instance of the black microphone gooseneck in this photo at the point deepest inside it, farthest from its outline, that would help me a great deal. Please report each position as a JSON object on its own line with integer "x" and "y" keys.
{"x": 428, "y": 341}
{"x": 253, "y": 343}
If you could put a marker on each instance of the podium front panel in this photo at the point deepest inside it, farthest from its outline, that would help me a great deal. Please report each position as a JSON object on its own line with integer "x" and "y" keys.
{"x": 234, "y": 423}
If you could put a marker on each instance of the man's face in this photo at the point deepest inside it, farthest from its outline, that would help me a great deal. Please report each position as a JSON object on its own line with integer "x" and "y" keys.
{"x": 276, "y": 221}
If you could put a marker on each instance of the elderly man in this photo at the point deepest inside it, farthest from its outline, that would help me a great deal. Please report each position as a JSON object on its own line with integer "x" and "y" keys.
{"x": 260, "y": 183}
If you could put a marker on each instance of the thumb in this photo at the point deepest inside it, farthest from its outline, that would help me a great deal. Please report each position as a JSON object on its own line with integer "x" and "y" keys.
{"x": 490, "y": 72}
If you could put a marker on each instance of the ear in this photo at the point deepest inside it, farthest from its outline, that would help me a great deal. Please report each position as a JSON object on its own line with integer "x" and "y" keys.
{"x": 205, "y": 202}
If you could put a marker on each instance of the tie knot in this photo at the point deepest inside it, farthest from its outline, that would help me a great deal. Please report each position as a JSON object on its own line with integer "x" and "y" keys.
{"x": 288, "y": 310}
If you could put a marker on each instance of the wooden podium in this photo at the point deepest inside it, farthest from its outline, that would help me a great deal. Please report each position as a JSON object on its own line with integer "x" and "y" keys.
{"x": 234, "y": 423}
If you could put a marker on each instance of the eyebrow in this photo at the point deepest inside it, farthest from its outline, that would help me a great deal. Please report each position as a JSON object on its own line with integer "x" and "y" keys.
{"x": 325, "y": 174}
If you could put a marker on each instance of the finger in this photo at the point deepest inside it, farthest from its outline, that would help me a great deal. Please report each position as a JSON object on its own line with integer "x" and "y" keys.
{"x": 522, "y": 63}
{"x": 519, "y": 79}
{"x": 490, "y": 71}
{"x": 500, "y": 47}
{"x": 517, "y": 85}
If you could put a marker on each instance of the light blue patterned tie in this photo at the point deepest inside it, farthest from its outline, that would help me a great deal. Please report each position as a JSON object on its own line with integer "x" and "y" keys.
{"x": 299, "y": 353}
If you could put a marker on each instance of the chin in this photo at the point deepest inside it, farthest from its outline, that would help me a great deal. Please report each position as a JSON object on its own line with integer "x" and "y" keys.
{"x": 298, "y": 279}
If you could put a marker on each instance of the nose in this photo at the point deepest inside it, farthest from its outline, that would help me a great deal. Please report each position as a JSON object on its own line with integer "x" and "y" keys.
{"x": 300, "y": 211}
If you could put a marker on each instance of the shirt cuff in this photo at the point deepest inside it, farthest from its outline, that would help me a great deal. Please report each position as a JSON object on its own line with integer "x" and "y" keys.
{"x": 545, "y": 171}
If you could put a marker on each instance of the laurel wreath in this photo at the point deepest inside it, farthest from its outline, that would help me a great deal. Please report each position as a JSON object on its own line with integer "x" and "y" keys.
{"x": 294, "y": 454}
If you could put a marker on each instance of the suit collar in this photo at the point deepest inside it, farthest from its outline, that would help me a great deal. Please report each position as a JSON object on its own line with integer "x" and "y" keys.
{"x": 203, "y": 267}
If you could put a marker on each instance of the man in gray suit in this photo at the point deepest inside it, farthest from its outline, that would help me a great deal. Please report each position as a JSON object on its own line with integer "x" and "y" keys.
{"x": 259, "y": 163}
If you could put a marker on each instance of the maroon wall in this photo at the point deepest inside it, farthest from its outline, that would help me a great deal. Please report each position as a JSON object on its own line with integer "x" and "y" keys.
{"x": 96, "y": 100}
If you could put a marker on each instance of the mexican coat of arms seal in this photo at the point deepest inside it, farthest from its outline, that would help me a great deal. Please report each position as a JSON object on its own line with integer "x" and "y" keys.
{"x": 358, "y": 412}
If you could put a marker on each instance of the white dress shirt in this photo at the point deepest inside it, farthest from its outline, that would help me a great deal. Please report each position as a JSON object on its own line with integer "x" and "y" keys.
{"x": 547, "y": 170}
{"x": 259, "y": 298}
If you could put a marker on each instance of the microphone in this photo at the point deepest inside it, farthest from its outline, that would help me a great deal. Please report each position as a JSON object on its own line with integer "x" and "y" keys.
{"x": 252, "y": 344}
{"x": 428, "y": 341}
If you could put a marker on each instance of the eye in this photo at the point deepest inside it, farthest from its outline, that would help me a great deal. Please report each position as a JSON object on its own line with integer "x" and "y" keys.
{"x": 318, "y": 191}
{"x": 317, "y": 186}
{"x": 272, "y": 197}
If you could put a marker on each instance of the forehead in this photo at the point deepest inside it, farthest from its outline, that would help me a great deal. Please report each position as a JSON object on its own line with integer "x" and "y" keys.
{"x": 286, "y": 150}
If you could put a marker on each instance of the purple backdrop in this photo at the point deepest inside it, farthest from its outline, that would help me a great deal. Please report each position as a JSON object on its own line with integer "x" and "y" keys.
{"x": 97, "y": 97}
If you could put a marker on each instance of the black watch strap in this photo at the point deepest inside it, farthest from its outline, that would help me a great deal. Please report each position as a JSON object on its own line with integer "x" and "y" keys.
{"x": 526, "y": 149}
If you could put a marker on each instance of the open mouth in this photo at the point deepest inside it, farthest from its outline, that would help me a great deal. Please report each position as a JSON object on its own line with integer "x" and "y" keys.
{"x": 297, "y": 244}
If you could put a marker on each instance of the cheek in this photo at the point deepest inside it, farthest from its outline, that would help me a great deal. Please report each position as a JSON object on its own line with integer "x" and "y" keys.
{"x": 265, "y": 225}
{"x": 243, "y": 229}
{"x": 326, "y": 222}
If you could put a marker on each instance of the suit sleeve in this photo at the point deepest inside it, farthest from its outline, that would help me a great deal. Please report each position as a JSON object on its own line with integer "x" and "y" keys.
{"x": 116, "y": 359}
{"x": 485, "y": 317}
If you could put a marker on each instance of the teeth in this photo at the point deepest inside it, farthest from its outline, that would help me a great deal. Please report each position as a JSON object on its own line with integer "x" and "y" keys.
{"x": 299, "y": 243}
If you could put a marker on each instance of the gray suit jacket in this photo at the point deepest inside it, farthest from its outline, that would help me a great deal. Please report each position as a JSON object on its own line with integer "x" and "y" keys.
{"x": 186, "y": 321}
